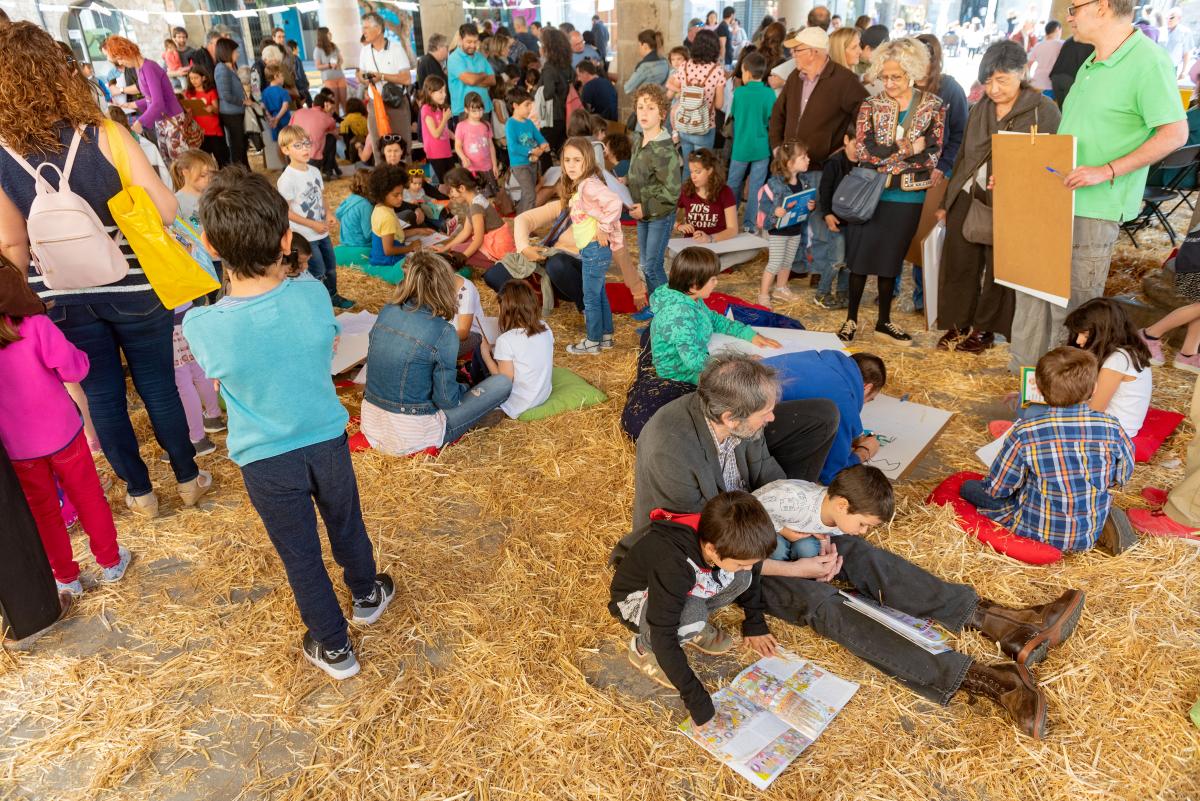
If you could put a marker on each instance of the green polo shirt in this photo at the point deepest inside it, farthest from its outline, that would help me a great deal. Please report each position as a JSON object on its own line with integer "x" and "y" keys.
{"x": 1112, "y": 109}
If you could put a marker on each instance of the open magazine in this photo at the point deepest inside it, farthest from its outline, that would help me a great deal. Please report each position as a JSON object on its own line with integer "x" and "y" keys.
{"x": 776, "y": 708}
{"x": 914, "y": 629}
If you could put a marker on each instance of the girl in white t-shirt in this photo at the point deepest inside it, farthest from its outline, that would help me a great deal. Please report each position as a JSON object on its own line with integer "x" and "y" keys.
{"x": 468, "y": 321}
{"x": 1124, "y": 384}
{"x": 524, "y": 351}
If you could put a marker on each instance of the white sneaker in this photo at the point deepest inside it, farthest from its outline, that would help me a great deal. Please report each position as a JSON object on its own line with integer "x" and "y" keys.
{"x": 585, "y": 347}
{"x": 785, "y": 293}
{"x": 71, "y": 588}
{"x": 111, "y": 575}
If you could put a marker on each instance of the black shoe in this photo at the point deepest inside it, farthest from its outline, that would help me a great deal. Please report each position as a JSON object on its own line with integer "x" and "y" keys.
{"x": 339, "y": 664}
{"x": 892, "y": 332}
{"x": 847, "y": 331}
{"x": 367, "y": 610}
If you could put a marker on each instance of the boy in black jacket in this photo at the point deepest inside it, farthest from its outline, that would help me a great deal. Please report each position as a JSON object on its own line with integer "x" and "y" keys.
{"x": 675, "y": 577}
{"x": 829, "y": 246}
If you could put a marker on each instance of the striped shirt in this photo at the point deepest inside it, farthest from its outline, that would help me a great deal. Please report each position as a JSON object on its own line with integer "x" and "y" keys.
{"x": 1055, "y": 470}
{"x": 95, "y": 180}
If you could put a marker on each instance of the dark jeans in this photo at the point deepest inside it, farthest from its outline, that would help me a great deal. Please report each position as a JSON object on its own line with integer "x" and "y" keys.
{"x": 141, "y": 329}
{"x": 329, "y": 156}
{"x": 973, "y": 492}
{"x": 801, "y": 435}
{"x": 322, "y": 265}
{"x": 880, "y": 574}
{"x": 282, "y": 490}
{"x": 235, "y": 132}
{"x": 565, "y": 271}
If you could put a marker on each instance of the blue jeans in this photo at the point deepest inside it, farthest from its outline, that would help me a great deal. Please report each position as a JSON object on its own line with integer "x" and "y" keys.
{"x": 652, "y": 250}
{"x": 829, "y": 250}
{"x": 918, "y": 288}
{"x": 757, "y": 171}
{"x": 323, "y": 264}
{"x": 973, "y": 493}
{"x": 282, "y": 490}
{"x": 141, "y": 329}
{"x": 803, "y": 548}
{"x": 691, "y": 142}
{"x": 479, "y": 400}
{"x": 597, "y": 315}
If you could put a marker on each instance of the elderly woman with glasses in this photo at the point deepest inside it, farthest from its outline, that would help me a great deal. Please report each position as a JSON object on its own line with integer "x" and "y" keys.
{"x": 971, "y": 306}
{"x": 899, "y": 133}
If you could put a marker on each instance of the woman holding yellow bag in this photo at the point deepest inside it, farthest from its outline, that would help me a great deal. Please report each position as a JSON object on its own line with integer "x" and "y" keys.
{"x": 46, "y": 105}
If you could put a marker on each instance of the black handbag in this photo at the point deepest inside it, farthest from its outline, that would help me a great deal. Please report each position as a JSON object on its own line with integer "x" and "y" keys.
{"x": 1187, "y": 268}
{"x": 857, "y": 196}
{"x": 394, "y": 95}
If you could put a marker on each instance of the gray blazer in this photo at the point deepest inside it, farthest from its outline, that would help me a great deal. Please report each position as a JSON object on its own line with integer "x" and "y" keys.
{"x": 677, "y": 468}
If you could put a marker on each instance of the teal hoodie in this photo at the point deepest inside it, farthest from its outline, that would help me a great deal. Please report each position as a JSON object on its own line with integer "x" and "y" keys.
{"x": 354, "y": 221}
{"x": 680, "y": 331}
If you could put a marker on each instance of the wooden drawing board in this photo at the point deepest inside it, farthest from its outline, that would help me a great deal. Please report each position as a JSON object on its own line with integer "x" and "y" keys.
{"x": 905, "y": 430}
{"x": 1033, "y": 213}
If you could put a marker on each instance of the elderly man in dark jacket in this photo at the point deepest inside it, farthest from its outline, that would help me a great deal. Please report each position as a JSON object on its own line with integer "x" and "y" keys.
{"x": 720, "y": 439}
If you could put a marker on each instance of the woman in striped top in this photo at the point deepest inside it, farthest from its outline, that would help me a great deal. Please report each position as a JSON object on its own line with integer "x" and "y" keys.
{"x": 124, "y": 318}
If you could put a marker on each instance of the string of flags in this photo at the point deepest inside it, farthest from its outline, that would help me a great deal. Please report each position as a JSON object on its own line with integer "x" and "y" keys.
{"x": 176, "y": 17}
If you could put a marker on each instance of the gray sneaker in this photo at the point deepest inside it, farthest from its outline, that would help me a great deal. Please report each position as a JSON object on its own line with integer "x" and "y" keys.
{"x": 111, "y": 575}
{"x": 339, "y": 664}
{"x": 606, "y": 342}
{"x": 585, "y": 347}
{"x": 647, "y": 664}
{"x": 71, "y": 587}
{"x": 212, "y": 425}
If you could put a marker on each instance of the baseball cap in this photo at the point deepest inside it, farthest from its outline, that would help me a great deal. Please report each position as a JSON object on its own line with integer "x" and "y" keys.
{"x": 812, "y": 36}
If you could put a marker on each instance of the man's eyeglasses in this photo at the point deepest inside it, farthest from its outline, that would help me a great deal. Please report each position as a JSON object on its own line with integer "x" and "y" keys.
{"x": 1072, "y": 10}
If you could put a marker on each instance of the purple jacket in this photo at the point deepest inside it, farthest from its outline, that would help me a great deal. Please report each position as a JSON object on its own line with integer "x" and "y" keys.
{"x": 158, "y": 95}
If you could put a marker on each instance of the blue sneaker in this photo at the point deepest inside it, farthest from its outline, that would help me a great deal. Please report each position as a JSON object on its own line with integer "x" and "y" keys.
{"x": 643, "y": 314}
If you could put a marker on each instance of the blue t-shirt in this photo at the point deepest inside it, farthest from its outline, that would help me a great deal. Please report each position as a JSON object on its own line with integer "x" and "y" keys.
{"x": 272, "y": 354}
{"x": 273, "y": 99}
{"x": 523, "y": 136}
{"x": 458, "y": 63}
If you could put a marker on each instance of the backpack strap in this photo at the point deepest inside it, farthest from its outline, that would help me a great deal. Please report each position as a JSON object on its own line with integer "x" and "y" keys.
{"x": 65, "y": 172}
{"x": 24, "y": 164}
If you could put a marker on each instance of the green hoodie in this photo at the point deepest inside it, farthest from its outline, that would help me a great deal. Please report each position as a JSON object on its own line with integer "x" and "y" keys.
{"x": 654, "y": 175}
{"x": 680, "y": 331}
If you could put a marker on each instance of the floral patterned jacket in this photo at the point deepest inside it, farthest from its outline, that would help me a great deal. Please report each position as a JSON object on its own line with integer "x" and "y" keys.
{"x": 879, "y": 146}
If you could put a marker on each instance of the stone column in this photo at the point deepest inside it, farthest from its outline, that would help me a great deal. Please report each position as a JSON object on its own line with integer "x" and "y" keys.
{"x": 796, "y": 12}
{"x": 633, "y": 17}
{"x": 440, "y": 16}
{"x": 342, "y": 17}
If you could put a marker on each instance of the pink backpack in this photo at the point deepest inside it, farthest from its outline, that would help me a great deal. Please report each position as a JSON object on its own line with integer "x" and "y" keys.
{"x": 70, "y": 247}
{"x": 765, "y": 197}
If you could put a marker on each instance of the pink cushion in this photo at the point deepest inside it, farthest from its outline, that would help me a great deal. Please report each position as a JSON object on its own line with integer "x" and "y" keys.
{"x": 1159, "y": 425}
{"x": 988, "y": 531}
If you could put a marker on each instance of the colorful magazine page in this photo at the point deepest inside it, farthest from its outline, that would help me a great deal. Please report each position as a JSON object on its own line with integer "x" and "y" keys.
{"x": 771, "y": 712}
{"x": 1029, "y": 389}
{"x": 919, "y": 631}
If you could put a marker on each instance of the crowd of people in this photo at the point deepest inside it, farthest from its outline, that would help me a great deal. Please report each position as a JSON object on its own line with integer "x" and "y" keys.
{"x": 747, "y": 490}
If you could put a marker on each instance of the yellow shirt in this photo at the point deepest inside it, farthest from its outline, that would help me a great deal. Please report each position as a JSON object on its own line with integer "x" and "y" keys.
{"x": 355, "y": 124}
{"x": 583, "y": 225}
{"x": 384, "y": 221}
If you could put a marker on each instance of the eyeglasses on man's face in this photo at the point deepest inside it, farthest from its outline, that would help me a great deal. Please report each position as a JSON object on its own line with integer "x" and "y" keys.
{"x": 1072, "y": 10}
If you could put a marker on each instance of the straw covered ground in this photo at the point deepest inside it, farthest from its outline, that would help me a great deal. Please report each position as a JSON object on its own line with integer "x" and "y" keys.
{"x": 498, "y": 673}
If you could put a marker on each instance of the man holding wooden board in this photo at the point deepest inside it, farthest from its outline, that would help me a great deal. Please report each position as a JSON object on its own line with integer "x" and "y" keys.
{"x": 1125, "y": 114}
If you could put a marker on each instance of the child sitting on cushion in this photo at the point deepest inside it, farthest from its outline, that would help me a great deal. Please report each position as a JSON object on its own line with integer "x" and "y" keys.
{"x": 1051, "y": 479}
{"x": 806, "y": 515}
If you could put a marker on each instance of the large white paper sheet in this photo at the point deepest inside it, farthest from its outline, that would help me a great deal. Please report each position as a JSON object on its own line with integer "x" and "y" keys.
{"x": 988, "y": 453}
{"x": 793, "y": 341}
{"x": 352, "y": 342}
{"x": 735, "y": 244}
{"x": 931, "y": 257}
{"x": 904, "y": 430}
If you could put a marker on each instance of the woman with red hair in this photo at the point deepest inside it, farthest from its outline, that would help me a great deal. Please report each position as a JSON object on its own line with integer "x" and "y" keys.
{"x": 158, "y": 109}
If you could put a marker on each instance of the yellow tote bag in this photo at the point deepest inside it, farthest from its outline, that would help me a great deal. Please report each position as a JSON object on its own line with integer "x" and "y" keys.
{"x": 171, "y": 270}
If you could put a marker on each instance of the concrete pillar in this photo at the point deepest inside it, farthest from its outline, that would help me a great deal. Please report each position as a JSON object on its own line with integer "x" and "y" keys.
{"x": 1058, "y": 11}
{"x": 633, "y": 17}
{"x": 795, "y": 12}
{"x": 342, "y": 17}
{"x": 440, "y": 16}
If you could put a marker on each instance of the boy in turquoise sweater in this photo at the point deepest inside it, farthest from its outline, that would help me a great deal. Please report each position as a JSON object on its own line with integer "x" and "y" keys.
{"x": 751, "y": 154}
{"x": 270, "y": 343}
{"x": 683, "y": 324}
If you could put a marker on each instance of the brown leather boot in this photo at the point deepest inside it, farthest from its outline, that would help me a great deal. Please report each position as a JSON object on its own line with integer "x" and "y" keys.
{"x": 950, "y": 338}
{"x": 1027, "y": 634}
{"x": 976, "y": 342}
{"x": 1014, "y": 689}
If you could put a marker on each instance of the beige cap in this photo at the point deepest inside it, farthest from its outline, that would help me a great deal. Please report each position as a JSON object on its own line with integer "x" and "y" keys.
{"x": 812, "y": 36}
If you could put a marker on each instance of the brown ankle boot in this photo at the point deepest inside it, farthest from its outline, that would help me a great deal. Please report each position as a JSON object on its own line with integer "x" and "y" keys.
{"x": 1014, "y": 689}
{"x": 1027, "y": 634}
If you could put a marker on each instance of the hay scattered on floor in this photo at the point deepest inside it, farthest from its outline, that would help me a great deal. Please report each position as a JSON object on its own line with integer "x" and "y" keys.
{"x": 499, "y": 674}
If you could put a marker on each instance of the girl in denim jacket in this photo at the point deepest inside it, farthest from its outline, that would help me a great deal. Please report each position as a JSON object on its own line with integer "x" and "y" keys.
{"x": 596, "y": 227}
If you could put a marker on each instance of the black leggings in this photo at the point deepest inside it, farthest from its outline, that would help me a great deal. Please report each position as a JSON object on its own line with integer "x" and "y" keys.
{"x": 215, "y": 146}
{"x": 887, "y": 288}
{"x": 235, "y": 130}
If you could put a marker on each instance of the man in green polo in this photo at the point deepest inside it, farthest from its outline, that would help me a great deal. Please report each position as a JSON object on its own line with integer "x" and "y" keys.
{"x": 1125, "y": 113}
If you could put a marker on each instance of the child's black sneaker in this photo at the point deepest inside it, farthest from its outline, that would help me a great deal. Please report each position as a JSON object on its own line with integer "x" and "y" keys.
{"x": 847, "y": 331}
{"x": 368, "y": 610}
{"x": 339, "y": 664}
{"x": 894, "y": 333}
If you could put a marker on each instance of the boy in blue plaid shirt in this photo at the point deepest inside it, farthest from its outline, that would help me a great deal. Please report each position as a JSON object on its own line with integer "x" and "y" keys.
{"x": 1050, "y": 481}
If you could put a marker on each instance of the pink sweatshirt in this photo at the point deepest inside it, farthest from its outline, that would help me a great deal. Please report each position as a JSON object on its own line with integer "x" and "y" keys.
{"x": 597, "y": 201}
{"x": 37, "y": 416}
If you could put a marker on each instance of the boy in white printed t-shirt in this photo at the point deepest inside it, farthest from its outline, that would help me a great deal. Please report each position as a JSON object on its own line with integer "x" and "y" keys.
{"x": 806, "y": 514}
{"x": 303, "y": 188}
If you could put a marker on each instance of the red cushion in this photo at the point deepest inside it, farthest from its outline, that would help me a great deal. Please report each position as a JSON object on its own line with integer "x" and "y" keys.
{"x": 988, "y": 531}
{"x": 720, "y": 302}
{"x": 691, "y": 520}
{"x": 1159, "y": 425}
{"x": 620, "y": 299}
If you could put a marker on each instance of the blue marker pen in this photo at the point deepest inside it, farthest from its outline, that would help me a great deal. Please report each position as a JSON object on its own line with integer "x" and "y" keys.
{"x": 1051, "y": 169}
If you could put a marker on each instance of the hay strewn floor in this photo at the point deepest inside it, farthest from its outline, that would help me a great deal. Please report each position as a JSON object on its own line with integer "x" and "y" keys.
{"x": 498, "y": 673}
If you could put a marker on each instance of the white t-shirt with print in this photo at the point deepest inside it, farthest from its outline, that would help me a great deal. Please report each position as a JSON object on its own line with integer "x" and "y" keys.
{"x": 533, "y": 365}
{"x": 1131, "y": 401}
{"x": 305, "y": 193}
{"x": 795, "y": 504}
{"x": 469, "y": 303}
